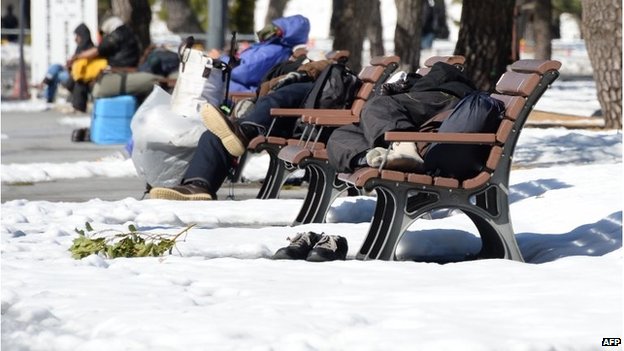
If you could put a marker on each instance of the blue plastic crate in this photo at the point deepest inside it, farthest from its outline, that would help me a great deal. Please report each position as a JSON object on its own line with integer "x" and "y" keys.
{"x": 110, "y": 122}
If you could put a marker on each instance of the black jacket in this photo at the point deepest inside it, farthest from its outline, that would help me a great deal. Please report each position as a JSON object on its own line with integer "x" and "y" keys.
{"x": 446, "y": 78}
{"x": 121, "y": 48}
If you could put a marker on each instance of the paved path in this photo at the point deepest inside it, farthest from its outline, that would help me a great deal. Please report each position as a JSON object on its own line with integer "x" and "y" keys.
{"x": 29, "y": 137}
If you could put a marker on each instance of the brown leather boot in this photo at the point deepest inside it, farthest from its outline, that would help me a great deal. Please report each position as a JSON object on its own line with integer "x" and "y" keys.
{"x": 181, "y": 193}
{"x": 230, "y": 133}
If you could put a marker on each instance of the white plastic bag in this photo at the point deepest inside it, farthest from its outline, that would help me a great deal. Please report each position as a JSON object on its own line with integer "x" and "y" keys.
{"x": 198, "y": 82}
{"x": 164, "y": 141}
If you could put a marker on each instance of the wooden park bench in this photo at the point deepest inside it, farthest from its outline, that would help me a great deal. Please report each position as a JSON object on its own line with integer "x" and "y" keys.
{"x": 324, "y": 186}
{"x": 404, "y": 197}
{"x": 372, "y": 76}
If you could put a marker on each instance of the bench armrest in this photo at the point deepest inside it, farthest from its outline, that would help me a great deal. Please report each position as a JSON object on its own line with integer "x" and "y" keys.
{"x": 332, "y": 121}
{"x": 449, "y": 138}
{"x": 298, "y": 112}
{"x": 238, "y": 96}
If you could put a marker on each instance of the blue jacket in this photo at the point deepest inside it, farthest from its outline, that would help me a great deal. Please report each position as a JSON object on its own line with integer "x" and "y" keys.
{"x": 260, "y": 57}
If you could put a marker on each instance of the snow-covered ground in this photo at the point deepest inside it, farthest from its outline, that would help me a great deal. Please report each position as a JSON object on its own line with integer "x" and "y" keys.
{"x": 221, "y": 291}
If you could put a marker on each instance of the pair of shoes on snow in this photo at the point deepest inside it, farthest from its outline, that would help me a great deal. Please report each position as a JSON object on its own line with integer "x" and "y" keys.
{"x": 314, "y": 247}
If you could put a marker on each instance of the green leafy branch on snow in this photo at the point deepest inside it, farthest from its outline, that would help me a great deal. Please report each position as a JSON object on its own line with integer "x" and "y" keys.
{"x": 114, "y": 243}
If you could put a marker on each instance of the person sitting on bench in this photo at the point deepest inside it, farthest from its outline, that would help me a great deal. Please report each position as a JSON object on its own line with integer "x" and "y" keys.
{"x": 225, "y": 140}
{"x": 405, "y": 105}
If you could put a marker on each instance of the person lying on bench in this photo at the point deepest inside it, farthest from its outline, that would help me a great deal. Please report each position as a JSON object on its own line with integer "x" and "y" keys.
{"x": 225, "y": 140}
{"x": 404, "y": 106}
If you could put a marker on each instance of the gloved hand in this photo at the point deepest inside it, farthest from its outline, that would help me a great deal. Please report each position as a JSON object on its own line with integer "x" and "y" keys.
{"x": 400, "y": 86}
{"x": 292, "y": 77}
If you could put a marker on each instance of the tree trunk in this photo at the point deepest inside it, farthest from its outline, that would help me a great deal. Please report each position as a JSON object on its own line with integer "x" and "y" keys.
{"x": 138, "y": 15}
{"x": 337, "y": 6}
{"x": 181, "y": 18}
{"x": 407, "y": 33}
{"x": 485, "y": 39}
{"x": 276, "y": 10}
{"x": 602, "y": 29}
{"x": 242, "y": 16}
{"x": 375, "y": 31}
{"x": 543, "y": 30}
{"x": 352, "y": 31}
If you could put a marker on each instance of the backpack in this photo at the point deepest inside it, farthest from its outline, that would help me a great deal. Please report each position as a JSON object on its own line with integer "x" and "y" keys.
{"x": 475, "y": 113}
{"x": 285, "y": 67}
{"x": 161, "y": 62}
{"x": 335, "y": 88}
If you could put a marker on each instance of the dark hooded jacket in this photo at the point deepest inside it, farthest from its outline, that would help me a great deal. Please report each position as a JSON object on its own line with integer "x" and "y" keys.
{"x": 257, "y": 60}
{"x": 446, "y": 78}
{"x": 120, "y": 47}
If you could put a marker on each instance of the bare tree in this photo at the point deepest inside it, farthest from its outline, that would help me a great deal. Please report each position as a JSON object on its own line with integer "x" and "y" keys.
{"x": 602, "y": 29}
{"x": 181, "y": 18}
{"x": 407, "y": 33}
{"x": 276, "y": 10}
{"x": 485, "y": 39}
{"x": 543, "y": 30}
{"x": 138, "y": 15}
{"x": 350, "y": 35}
{"x": 375, "y": 31}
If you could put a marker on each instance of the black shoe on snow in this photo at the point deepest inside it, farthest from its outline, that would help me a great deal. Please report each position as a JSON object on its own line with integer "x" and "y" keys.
{"x": 299, "y": 247}
{"x": 329, "y": 248}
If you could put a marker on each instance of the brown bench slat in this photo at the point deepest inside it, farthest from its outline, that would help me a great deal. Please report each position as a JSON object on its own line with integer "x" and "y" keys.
{"x": 451, "y": 138}
{"x": 513, "y": 83}
{"x": 253, "y": 143}
{"x": 371, "y": 73}
{"x": 446, "y": 182}
{"x": 298, "y": 112}
{"x": 365, "y": 90}
{"x": 513, "y": 105}
{"x": 320, "y": 154}
{"x": 276, "y": 140}
{"x": 337, "y": 55}
{"x": 294, "y": 153}
{"x": 451, "y": 60}
{"x": 535, "y": 66}
{"x": 495, "y": 155}
{"x": 238, "y": 96}
{"x": 393, "y": 175}
{"x": 419, "y": 178}
{"x": 504, "y": 130}
{"x": 360, "y": 176}
{"x": 477, "y": 181}
{"x": 333, "y": 121}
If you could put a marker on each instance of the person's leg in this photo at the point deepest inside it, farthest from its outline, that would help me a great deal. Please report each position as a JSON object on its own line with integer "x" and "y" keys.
{"x": 346, "y": 147}
{"x": 210, "y": 163}
{"x": 236, "y": 135}
{"x": 51, "y": 81}
{"x": 400, "y": 112}
{"x": 80, "y": 96}
{"x": 289, "y": 96}
{"x": 205, "y": 174}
